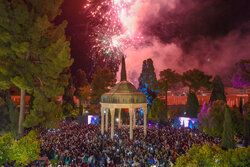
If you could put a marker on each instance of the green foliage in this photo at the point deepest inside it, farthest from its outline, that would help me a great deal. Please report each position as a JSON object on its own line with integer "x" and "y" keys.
{"x": 34, "y": 53}
{"x": 192, "y": 105}
{"x": 5, "y": 144}
{"x": 158, "y": 111}
{"x": 25, "y": 150}
{"x": 218, "y": 92}
{"x": 46, "y": 112}
{"x": 68, "y": 99}
{"x": 239, "y": 157}
{"x": 228, "y": 131}
{"x": 196, "y": 79}
{"x": 8, "y": 114}
{"x": 22, "y": 152}
{"x": 168, "y": 78}
{"x": 201, "y": 156}
{"x": 212, "y": 118}
{"x": 103, "y": 79}
{"x": 80, "y": 81}
{"x": 214, "y": 156}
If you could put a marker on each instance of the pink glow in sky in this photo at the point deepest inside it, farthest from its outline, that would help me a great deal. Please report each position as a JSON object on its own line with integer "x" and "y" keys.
{"x": 127, "y": 31}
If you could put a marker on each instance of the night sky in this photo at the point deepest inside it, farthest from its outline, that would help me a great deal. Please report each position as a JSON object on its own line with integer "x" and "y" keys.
{"x": 211, "y": 35}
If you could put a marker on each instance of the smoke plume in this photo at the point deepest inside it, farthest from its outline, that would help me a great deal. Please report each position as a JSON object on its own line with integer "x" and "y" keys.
{"x": 210, "y": 35}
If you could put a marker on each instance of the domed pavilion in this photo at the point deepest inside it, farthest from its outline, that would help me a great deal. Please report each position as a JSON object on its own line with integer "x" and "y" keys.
{"x": 123, "y": 95}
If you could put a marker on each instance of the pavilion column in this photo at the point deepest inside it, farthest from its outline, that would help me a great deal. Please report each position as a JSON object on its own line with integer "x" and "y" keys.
{"x": 130, "y": 123}
{"x": 119, "y": 117}
{"x": 102, "y": 121}
{"x": 112, "y": 112}
{"x": 134, "y": 124}
{"x": 107, "y": 120}
{"x": 145, "y": 121}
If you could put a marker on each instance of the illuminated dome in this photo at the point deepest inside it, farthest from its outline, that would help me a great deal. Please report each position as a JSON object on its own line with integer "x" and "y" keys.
{"x": 124, "y": 92}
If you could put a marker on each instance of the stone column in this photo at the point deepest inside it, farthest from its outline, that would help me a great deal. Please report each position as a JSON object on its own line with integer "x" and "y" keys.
{"x": 107, "y": 120}
{"x": 102, "y": 121}
{"x": 112, "y": 112}
{"x": 134, "y": 113}
{"x": 145, "y": 121}
{"x": 119, "y": 117}
{"x": 130, "y": 123}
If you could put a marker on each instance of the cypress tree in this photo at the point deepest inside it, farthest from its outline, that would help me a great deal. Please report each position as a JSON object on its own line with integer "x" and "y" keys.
{"x": 228, "y": 132}
{"x": 80, "y": 81}
{"x": 68, "y": 99}
{"x": 192, "y": 105}
{"x": 148, "y": 81}
{"x": 218, "y": 92}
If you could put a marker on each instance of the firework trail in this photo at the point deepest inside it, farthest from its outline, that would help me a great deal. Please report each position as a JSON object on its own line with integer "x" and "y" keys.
{"x": 112, "y": 29}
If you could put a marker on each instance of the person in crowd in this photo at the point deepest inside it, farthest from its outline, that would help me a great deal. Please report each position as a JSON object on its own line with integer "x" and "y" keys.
{"x": 80, "y": 145}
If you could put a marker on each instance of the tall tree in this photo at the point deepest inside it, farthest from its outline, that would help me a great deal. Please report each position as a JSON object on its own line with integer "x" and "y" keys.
{"x": 80, "y": 80}
{"x": 228, "y": 132}
{"x": 246, "y": 123}
{"x": 103, "y": 79}
{"x": 195, "y": 79}
{"x": 218, "y": 92}
{"x": 68, "y": 99}
{"x": 192, "y": 105}
{"x": 84, "y": 94}
{"x": 212, "y": 116}
{"x": 34, "y": 52}
{"x": 168, "y": 78}
{"x": 158, "y": 111}
{"x": 148, "y": 80}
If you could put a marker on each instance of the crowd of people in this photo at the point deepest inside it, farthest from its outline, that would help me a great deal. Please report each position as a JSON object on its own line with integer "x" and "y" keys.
{"x": 80, "y": 145}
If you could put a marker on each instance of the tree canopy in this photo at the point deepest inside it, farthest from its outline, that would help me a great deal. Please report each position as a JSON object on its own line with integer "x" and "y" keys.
{"x": 218, "y": 92}
{"x": 158, "y": 111}
{"x": 168, "y": 78}
{"x": 228, "y": 131}
{"x": 214, "y": 156}
{"x": 212, "y": 117}
{"x": 8, "y": 114}
{"x": 34, "y": 53}
{"x": 195, "y": 79}
{"x": 21, "y": 152}
{"x": 103, "y": 80}
{"x": 148, "y": 80}
{"x": 192, "y": 105}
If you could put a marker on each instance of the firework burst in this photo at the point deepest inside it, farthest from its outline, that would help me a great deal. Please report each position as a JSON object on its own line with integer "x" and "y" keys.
{"x": 112, "y": 31}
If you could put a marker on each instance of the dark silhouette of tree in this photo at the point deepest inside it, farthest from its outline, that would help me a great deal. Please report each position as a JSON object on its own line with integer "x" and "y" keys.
{"x": 195, "y": 79}
{"x": 218, "y": 92}
{"x": 192, "y": 105}
{"x": 228, "y": 132}
{"x": 80, "y": 81}
{"x": 103, "y": 80}
{"x": 158, "y": 111}
{"x": 8, "y": 114}
{"x": 168, "y": 78}
{"x": 68, "y": 99}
